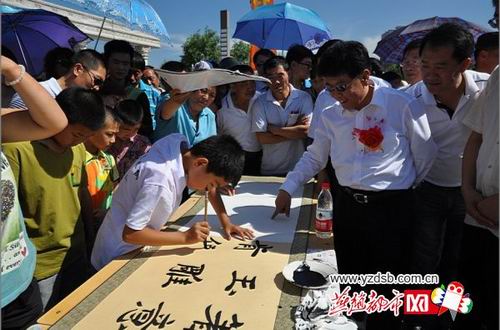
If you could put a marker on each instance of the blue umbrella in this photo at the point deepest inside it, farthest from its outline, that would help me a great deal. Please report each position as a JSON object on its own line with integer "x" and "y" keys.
{"x": 135, "y": 14}
{"x": 390, "y": 48}
{"x": 281, "y": 26}
{"x": 30, "y": 34}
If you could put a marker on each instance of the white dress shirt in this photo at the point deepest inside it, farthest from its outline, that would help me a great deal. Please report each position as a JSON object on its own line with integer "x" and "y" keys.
{"x": 483, "y": 119}
{"x": 450, "y": 135}
{"x": 404, "y": 157}
{"x": 146, "y": 197}
{"x": 237, "y": 123}
{"x": 325, "y": 100}
{"x": 279, "y": 158}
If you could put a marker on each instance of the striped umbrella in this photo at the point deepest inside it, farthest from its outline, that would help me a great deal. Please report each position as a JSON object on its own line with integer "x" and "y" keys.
{"x": 390, "y": 48}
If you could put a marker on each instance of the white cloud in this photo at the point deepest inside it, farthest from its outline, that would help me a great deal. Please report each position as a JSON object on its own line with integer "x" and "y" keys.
{"x": 370, "y": 43}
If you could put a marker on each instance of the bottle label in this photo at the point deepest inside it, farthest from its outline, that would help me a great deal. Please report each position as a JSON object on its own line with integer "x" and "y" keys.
{"x": 323, "y": 225}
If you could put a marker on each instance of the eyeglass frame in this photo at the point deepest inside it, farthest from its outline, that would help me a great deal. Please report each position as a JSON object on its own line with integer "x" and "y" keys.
{"x": 410, "y": 63}
{"x": 342, "y": 87}
{"x": 93, "y": 76}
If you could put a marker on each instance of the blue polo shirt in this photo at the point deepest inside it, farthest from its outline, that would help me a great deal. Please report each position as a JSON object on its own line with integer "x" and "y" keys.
{"x": 153, "y": 97}
{"x": 182, "y": 122}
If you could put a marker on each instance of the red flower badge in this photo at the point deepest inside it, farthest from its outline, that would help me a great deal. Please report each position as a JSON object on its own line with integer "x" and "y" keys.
{"x": 371, "y": 138}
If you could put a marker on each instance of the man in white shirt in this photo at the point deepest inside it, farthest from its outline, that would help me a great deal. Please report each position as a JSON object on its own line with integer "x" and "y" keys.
{"x": 235, "y": 119}
{"x": 281, "y": 118}
{"x": 479, "y": 253}
{"x": 87, "y": 71}
{"x": 379, "y": 143}
{"x": 447, "y": 93}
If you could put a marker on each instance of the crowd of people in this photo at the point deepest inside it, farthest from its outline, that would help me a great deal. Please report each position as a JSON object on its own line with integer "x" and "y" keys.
{"x": 97, "y": 155}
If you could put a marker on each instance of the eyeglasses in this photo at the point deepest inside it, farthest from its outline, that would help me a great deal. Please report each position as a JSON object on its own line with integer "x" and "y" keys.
{"x": 340, "y": 88}
{"x": 410, "y": 63}
{"x": 96, "y": 81}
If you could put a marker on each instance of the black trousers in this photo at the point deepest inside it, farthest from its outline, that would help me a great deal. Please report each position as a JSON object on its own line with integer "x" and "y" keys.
{"x": 478, "y": 272}
{"x": 253, "y": 161}
{"x": 374, "y": 237}
{"x": 439, "y": 222}
{"x": 24, "y": 310}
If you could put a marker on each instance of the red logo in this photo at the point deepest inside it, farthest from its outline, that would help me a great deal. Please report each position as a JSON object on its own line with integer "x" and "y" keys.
{"x": 419, "y": 302}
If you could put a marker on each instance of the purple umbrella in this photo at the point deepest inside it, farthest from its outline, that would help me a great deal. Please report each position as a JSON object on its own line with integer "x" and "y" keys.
{"x": 30, "y": 34}
{"x": 391, "y": 47}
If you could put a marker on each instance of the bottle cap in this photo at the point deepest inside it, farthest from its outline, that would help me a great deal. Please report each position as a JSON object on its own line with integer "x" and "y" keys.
{"x": 325, "y": 185}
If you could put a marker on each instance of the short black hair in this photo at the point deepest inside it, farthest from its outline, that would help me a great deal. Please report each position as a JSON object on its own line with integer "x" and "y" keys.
{"x": 297, "y": 53}
{"x": 89, "y": 58}
{"x": 243, "y": 68}
{"x": 138, "y": 62}
{"x": 390, "y": 76}
{"x": 344, "y": 57}
{"x": 486, "y": 41}
{"x": 175, "y": 66}
{"x": 58, "y": 56}
{"x": 274, "y": 62}
{"x": 414, "y": 44}
{"x": 225, "y": 156}
{"x": 111, "y": 112}
{"x": 118, "y": 46}
{"x": 262, "y": 52}
{"x": 326, "y": 46}
{"x": 450, "y": 35}
{"x": 130, "y": 112}
{"x": 376, "y": 67}
{"x": 82, "y": 106}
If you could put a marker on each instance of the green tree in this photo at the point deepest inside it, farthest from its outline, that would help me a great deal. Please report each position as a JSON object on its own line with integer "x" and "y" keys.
{"x": 201, "y": 46}
{"x": 240, "y": 51}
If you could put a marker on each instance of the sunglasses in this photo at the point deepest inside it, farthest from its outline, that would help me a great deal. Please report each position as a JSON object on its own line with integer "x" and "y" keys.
{"x": 96, "y": 81}
{"x": 340, "y": 88}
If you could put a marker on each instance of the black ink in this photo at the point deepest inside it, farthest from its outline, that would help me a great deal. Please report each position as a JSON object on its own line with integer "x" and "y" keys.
{"x": 216, "y": 323}
{"x": 183, "y": 274}
{"x": 209, "y": 246}
{"x": 144, "y": 318}
{"x": 244, "y": 282}
{"x": 256, "y": 246}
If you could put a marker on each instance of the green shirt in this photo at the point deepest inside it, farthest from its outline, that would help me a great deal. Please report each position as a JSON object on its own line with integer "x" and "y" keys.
{"x": 48, "y": 184}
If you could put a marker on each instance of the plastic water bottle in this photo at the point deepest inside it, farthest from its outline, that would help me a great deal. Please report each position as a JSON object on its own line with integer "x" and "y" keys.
{"x": 324, "y": 213}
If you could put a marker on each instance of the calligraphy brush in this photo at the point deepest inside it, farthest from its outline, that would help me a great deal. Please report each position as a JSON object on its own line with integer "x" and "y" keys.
{"x": 206, "y": 207}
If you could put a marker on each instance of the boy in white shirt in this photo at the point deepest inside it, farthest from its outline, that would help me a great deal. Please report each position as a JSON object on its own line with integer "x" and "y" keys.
{"x": 152, "y": 190}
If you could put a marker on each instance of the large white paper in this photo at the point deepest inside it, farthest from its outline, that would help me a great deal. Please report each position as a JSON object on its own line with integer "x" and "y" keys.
{"x": 191, "y": 81}
{"x": 252, "y": 207}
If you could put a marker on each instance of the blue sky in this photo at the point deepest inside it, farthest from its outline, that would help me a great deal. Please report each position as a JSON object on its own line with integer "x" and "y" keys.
{"x": 362, "y": 20}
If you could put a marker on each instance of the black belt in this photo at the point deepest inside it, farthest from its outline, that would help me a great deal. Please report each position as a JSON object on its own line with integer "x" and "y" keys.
{"x": 366, "y": 197}
{"x": 435, "y": 186}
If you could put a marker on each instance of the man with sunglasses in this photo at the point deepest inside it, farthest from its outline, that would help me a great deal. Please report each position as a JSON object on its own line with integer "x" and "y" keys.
{"x": 380, "y": 145}
{"x": 87, "y": 71}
